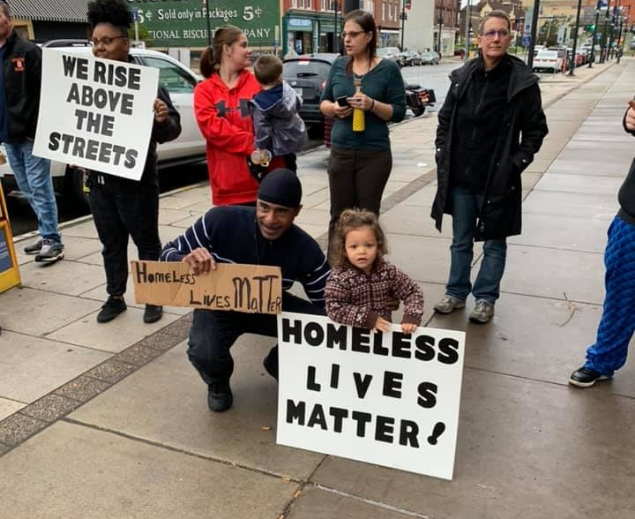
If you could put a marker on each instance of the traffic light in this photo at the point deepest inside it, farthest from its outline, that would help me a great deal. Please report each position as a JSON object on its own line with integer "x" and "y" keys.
{"x": 590, "y": 27}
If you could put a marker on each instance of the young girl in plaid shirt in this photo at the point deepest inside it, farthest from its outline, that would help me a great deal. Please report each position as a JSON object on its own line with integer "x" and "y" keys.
{"x": 362, "y": 282}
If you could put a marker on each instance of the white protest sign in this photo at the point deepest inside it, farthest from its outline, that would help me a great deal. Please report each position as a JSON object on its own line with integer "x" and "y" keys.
{"x": 389, "y": 399}
{"x": 95, "y": 113}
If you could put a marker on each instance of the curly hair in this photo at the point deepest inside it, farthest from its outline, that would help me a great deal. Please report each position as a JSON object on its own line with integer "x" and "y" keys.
{"x": 351, "y": 220}
{"x": 114, "y": 12}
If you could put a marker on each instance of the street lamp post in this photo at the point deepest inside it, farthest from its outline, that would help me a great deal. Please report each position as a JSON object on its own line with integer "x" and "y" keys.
{"x": 209, "y": 24}
{"x": 595, "y": 32}
{"x": 468, "y": 15}
{"x": 335, "y": 38}
{"x": 403, "y": 22}
{"x": 604, "y": 39}
{"x": 440, "y": 28}
{"x": 532, "y": 41}
{"x": 575, "y": 39}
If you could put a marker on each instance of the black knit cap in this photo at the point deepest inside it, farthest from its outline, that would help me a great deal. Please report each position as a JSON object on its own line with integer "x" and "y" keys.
{"x": 281, "y": 187}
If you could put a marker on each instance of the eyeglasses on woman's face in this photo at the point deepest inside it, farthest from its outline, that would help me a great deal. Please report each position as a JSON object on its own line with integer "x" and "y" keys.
{"x": 352, "y": 34}
{"x": 490, "y": 35}
{"x": 105, "y": 41}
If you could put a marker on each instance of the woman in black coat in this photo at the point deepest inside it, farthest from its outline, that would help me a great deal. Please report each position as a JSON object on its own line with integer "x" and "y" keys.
{"x": 490, "y": 127}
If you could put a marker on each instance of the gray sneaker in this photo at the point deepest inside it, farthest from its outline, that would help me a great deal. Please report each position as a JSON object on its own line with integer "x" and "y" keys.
{"x": 483, "y": 312}
{"x": 34, "y": 248}
{"x": 448, "y": 304}
{"x": 51, "y": 251}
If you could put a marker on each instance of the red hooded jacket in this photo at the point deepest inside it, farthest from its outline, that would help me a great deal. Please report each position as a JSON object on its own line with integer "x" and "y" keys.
{"x": 223, "y": 117}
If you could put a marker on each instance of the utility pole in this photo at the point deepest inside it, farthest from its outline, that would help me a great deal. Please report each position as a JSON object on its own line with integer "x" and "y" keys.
{"x": 534, "y": 28}
{"x": 468, "y": 24}
{"x": 575, "y": 38}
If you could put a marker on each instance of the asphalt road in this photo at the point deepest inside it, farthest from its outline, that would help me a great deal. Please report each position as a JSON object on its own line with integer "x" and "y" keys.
{"x": 23, "y": 219}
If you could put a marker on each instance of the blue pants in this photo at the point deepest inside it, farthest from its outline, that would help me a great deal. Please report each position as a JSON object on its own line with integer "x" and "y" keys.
{"x": 618, "y": 315}
{"x": 465, "y": 208}
{"x": 33, "y": 176}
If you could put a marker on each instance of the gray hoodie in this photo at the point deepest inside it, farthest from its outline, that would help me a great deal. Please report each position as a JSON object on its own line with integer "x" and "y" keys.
{"x": 277, "y": 125}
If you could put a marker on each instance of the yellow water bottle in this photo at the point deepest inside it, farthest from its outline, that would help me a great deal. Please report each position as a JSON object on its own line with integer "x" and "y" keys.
{"x": 359, "y": 122}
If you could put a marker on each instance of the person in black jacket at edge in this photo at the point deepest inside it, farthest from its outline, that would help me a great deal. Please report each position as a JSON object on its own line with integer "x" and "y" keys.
{"x": 122, "y": 207}
{"x": 490, "y": 126}
{"x": 261, "y": 235}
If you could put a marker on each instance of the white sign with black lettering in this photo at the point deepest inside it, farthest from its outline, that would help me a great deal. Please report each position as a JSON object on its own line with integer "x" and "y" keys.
{"x": 95, "y": 113}
{"x": 389, "y": 399}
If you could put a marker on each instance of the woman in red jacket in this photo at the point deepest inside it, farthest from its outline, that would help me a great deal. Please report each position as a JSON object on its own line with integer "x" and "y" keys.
{"x": 222, "y": 112}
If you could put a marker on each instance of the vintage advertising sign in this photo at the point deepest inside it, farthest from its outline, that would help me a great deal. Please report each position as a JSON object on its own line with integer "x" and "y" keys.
{"x": 244, "y": 288}
{"x": 9, "y": 272}
{"x": 389, "y": 399}
{"x": 96, "y": 113}
{"x": 183, "y": 23}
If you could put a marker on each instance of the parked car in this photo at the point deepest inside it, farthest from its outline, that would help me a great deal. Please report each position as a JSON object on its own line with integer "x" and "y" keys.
{"x": 307, "y": 75}
{"x": 410, "y": 58}
{"x": 430, "y": 58}
{"x": 188, "y": 148}
{"x": 391, "y": 53}
{"x": 549, "y": 61}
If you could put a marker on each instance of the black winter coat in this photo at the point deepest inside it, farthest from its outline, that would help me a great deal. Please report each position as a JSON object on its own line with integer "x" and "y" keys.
{"x": 22, "y": 67}
{"x": 522, "y": 131}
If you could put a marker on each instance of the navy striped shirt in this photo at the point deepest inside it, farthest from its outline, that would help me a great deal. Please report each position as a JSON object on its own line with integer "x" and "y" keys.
{"x": 231, "y": 234}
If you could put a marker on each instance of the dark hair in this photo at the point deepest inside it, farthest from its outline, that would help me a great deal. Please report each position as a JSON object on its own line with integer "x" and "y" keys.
{"x": 366, "y": 21}
{"x": 113, "y": 12}
{"x": 350, "y": 220}
{"x": 268, "y": 69}
{"x": 6, "y": 8}
{"x": 211, "y": 57}
{"x": 496, "y": 13}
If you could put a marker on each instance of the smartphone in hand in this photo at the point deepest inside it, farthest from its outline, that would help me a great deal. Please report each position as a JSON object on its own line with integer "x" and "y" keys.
{"x": 341, "y": 101}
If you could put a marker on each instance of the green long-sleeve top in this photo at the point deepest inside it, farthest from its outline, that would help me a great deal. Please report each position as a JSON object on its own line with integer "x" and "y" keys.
{"x": 384, "y": 84}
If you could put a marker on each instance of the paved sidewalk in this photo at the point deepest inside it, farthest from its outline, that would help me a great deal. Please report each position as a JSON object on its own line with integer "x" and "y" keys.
{"x": 110, "y": 421}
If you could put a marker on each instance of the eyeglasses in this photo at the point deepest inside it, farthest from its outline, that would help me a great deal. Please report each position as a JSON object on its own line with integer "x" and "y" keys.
{"x": 490, "y": 35}
{"x": 352, "y": 34}
{"x": 106, "y": 40}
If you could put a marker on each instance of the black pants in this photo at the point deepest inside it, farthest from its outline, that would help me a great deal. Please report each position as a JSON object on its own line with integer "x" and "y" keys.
{"x": 357, "y": 179}
{"x": 214, "y": 332}
{"x": 123, "y": 208}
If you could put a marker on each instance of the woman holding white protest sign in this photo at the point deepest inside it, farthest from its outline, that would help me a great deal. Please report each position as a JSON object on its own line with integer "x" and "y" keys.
{"x": 123, "y": 207}
{"x": 221, "y": 106}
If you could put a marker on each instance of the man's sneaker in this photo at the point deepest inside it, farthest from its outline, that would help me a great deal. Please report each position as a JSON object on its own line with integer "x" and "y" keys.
{"x": 152, "y": 314}
{"x": 219, "y": 396}
{"x": 271, "y": 366}
{"x": 482, "y": 313}
{"x": 111, "y": 309}
{"x": 50, "y": 252}
{"x": 34, "y": 248}
{"x": 586, "y": 377}
{"x": 448, "y": 304}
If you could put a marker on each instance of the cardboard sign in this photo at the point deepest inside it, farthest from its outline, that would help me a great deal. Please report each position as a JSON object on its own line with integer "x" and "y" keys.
{"x": 244, "y": 288}
{"x": 389, "y": 399}
{"x": 9, "y": 272}
{"x": 95, "y": 113}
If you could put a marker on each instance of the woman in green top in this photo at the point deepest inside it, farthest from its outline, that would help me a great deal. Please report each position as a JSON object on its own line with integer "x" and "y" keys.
{"x": 361, "y": 161}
